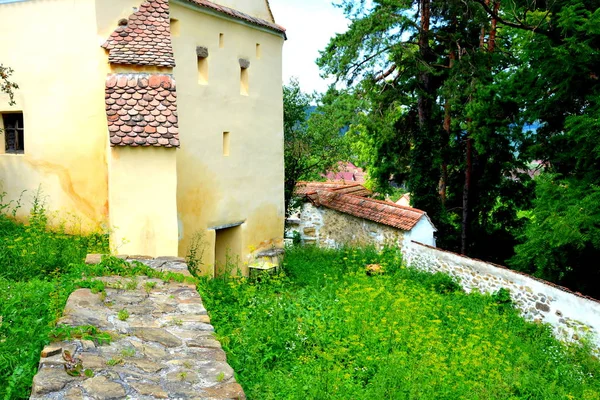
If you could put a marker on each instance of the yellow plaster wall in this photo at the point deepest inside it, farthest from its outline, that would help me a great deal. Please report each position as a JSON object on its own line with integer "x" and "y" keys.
{"x": 213, "y": 189}
{"x": 143, "y": 205}
{"x": 53, "y": 48}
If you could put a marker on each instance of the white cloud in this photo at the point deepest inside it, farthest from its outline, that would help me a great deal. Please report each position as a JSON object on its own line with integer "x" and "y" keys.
{"x": 310, "y": 24}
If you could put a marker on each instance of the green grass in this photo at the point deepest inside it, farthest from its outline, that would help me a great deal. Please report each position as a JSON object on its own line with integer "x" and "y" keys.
{"x": 39, "y": 269}
{"x": 326, "y": 330}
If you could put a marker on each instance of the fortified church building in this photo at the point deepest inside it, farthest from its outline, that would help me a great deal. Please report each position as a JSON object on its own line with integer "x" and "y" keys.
{"x": 160, "y": 119}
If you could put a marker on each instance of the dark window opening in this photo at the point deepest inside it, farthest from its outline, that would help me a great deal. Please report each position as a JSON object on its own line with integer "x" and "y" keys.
{"x": 14, "y": 138}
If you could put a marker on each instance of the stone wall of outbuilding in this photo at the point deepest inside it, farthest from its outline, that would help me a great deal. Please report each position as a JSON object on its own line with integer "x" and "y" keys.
{"x": 329, "y": 228}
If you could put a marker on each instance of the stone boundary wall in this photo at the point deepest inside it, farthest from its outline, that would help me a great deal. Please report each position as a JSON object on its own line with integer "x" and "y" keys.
{"x": 571, "y": 315}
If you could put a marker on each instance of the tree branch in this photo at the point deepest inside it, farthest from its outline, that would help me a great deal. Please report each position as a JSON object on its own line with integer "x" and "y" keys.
{"x": 519, "y": 25}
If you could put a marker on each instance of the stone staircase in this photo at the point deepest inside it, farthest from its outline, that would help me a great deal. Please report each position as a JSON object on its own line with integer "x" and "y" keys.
{"x": 162, "y": 345}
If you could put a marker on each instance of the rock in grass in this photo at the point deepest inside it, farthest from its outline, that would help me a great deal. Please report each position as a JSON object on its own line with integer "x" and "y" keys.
{"x": 374, "y": 269}
{"x": 51, "y": 350}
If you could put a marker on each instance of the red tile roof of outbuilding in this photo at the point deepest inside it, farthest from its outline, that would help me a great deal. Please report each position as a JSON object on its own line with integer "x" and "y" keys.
{"x": 353, "y": 199}
{"x": 383, "y": 212}
{"x": 308, "y": 188}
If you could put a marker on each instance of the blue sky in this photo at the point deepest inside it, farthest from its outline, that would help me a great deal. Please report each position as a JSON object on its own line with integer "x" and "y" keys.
{"x": 310, "y": 24}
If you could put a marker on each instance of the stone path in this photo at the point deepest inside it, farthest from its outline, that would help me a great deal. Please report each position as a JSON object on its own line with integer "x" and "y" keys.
{"x": 163, "y": 344}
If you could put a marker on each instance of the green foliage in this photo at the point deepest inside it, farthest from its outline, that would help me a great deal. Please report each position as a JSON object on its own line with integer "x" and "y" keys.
{"x": 32, "y": 250}
{"x": 311, "y": 146}
{"x": 195, "y": 252}
{"x": 324, "y": 329}
{"x": 85, "y": 332}
{"x": 128, "y": 352}
{"x": 418, "y": 98}
{"x": 116, "y": 360}
{"x": 123, "y": 315}
{"x": 37, "y": 274}
{"x": 503, "y": 299}
{"x": 6, "y": 85}
{"x": 526, "y": 90}
{"x": 563, "y": 234}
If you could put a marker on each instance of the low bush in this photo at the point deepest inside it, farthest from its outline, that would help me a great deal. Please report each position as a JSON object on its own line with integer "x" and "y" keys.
{"x": 324, "y": 329}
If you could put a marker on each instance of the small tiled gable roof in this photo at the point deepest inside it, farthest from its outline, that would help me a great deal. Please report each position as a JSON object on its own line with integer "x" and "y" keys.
{"x": 382, "y": 212}
{"x": 311, "y": 188}
{"x": 238, "y": 14}
{"x": 142, "y": 110}
{"x": 145, "y": 38}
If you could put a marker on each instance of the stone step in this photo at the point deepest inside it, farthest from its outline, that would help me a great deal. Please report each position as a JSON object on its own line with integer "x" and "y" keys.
{"x": 163, "y": 345}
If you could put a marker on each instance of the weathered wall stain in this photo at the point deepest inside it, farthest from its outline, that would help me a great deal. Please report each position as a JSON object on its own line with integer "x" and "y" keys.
{"x": 95, "y": 211}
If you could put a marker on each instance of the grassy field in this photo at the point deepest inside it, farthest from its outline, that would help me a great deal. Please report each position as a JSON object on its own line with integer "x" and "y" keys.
{"x": 326, "y": 330}
{"x": 322, "y": 330}
{"x": 38, "y": 270}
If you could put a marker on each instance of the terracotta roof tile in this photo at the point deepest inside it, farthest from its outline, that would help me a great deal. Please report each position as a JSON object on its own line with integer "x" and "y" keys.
{"x": 382, "y": 212}
{"x": 238, "y": 14}
{"x": 311, "y": 188}
{"x": 144, "y": 38}
{"x": 141, "y": 110}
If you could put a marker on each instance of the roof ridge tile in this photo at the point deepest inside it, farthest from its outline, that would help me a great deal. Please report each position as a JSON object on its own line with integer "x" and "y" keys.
{"x": 239, "y": 15}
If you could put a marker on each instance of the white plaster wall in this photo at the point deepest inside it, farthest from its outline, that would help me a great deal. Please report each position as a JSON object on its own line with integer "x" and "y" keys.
{"x": 422, "y": 232}
{"x": 571, "y": 316}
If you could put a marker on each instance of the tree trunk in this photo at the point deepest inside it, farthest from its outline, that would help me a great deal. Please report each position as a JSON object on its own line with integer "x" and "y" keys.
{"x": 424, "y": 102}
{"x": 466, "y": 191}
{"x": 492, "y": 40}
{"x": 446, "y": 139}
{"x": 425, "y": 162}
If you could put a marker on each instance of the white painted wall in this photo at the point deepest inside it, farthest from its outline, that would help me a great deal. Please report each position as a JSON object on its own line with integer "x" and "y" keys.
{"x": 422, "y": 232}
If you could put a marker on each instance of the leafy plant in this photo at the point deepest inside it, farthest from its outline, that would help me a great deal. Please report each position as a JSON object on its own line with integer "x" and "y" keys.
{"x": 128, "y": 352}
{"x": 123, "y": 315}
{"x": 85, "y": 332}
{"x": 115, "y": 361}
{"x": 195, "y": 252}
{"x": 149, "y": 285}
{"x": 502, "y": 297}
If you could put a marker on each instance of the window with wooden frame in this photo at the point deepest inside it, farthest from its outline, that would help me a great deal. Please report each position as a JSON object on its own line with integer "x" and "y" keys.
{"x": 14, "y": 133}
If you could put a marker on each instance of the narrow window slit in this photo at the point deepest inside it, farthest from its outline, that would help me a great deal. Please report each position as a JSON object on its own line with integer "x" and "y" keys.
{"x": 226, "y": 144}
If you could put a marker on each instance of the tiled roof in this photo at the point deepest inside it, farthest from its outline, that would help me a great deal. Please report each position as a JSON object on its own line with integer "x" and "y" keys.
{"x": 346, "y": 171}
{"x": 144, "y": 38}
{"x": 238, "y": 14}
{"x": 142, "y": 110}
{"x": 382, "y": 212}
{"x": 311, "y": 188}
